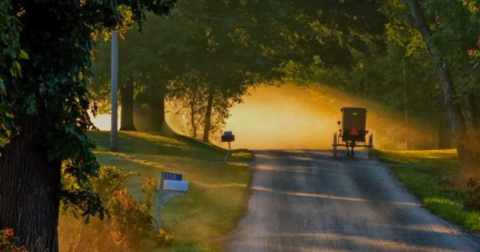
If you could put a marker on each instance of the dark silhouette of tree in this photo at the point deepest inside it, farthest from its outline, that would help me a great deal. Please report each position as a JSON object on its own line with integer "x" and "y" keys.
{"x": 44, "y": 103}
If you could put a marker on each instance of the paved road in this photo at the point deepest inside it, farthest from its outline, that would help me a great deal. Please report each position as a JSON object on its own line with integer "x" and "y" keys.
{"x": 307, "y": 201}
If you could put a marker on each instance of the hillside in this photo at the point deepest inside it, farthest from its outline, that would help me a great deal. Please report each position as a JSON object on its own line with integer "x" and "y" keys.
{"x": 218, "y": 191}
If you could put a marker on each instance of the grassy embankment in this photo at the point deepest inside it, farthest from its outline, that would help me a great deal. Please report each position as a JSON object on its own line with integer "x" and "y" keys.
{"x": 218, "y": 191}
{"x": 431, "y": 176}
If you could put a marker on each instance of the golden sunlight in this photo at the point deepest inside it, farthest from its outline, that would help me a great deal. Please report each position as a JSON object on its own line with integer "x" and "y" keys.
{"x": 288, "y": 117}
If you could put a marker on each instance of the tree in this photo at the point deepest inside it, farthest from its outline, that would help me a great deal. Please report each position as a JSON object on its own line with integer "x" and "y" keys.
{"x": 46, "y": 107}
{"x": 266, "y": 38}
{"x": 467, "y": 145}
{"x": 148, "y": 61}
{"x": 233, "y": 55}
{"x": 391, "y": 66}
{"x": 101, "y": 84}
{"x": 127, "y": 90}
{"x": 188, "y": 93}
{"x": 222, "y": 54}
{"x": 233, "y": 45}
{"x": 162, "y": 52}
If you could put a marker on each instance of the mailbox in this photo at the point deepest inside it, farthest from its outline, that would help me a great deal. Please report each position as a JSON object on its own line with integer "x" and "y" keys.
{"x": 228, "y": 136}
{"x": 176, "y": 186}
{"x": 170, "y": 185}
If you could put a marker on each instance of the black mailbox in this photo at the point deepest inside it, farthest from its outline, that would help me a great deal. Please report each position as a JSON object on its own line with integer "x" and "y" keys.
{"x": 228, "y": 136}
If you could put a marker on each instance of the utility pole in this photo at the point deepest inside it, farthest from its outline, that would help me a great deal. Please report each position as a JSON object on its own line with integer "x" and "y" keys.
{"x": 114, "y": 105}
{"x": 406, "y": 100}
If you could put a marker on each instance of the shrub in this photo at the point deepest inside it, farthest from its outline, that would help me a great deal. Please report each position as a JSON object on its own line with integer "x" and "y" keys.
{"x": 129, "y": 222}
{"x": 473, "y": 195}
{"x": 8, "y": 242}
{"x": 163, "y": 238}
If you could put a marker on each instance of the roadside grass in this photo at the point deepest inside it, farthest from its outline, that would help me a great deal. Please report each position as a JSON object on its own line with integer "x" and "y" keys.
{"x": 218, "y": 193}
{"x": 431, "y": 175}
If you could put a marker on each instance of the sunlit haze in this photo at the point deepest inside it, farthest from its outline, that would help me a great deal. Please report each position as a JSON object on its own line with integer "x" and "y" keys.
{"x": 289, "y": 117}
{"x": 286, "y": 118}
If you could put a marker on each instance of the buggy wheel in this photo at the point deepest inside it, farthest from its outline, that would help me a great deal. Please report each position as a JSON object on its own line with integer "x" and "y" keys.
{"x": 335, "y": 142}
{"x": 352, "y": 147}
{"x": 370, "y": 147}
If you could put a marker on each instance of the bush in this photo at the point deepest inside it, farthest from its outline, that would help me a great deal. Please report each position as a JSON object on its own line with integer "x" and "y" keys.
{"x": 163, "y": 238}
{"x": 473, "y": 195}
{"x": 129, "y": 222}
{"x": 8, "y": 242}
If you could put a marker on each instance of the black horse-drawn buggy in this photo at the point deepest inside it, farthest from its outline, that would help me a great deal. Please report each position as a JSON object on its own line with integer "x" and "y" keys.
{"x": 352, "y": 132}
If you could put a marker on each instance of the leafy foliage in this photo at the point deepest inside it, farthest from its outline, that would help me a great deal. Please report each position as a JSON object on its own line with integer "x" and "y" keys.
{"x": 129, "y": 222}
{"x": 473, "y": 195}
{"x": 10, "y": 57}
{"x": 129, "y": 217}
{"x": 394, "y": 67}
{"x": 230, "y": 46}
{"x": 456, "y": 31}
{"x": 189, "y": 96}
{"x": 8, "y": 242}
{"x": 225, "y": 56}
{"x": 43, "y": 87}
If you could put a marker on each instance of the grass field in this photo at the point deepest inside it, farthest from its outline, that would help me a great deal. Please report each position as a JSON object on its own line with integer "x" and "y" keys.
{"x": 431, "y": 176}
{"x": 218, "y": 191}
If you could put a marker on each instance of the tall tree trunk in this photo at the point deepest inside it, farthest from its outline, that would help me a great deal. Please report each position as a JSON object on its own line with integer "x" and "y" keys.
{"x": 466, "y": 152}
{"x": 29, "y": 190}
{"x": 406, "y": 101}
{"x": 471, "y": 114}
{"x": 208, "y": 115}
{"x": 192, "y": 119}
{"x": 127, "y": 122}
{"x": 157, "y": 113}
{"x": 193, "y": 110}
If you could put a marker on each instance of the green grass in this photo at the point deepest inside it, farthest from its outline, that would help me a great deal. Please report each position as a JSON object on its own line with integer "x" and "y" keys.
{"x": 218, "y": 191}
{"x": 431, "y": 176}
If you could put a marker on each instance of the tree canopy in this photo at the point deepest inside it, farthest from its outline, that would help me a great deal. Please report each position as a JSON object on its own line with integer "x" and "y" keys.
{"x": 44, "y": 70}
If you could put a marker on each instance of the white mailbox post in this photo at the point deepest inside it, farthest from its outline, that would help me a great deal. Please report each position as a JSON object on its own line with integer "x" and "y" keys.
{"x": 169, "y": 185}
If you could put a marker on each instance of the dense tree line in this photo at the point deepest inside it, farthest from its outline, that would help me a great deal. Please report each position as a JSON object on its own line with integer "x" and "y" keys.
{"x": 375, "y": 49}
{"x": 448, "y": 29}
{"x": 209, "y": 53}
{"x": 203, "y": 58}
{"x": 426, "y": 65}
